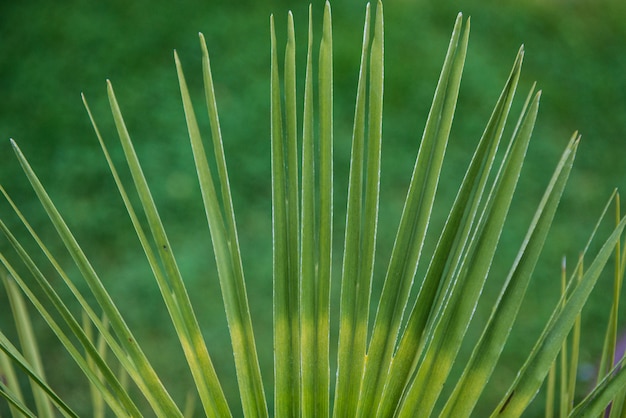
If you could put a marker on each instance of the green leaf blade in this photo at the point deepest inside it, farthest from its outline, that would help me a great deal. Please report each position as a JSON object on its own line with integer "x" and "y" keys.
{"x": 450, "y": 248}
{"x": 29, "y": 345}
{"x": 94, "y": 356}
{"x": 490, "y": 344}
{"x": 159, "y": 398}
{"x": 47, "y": 393}
{"x": 352, "y": 333}
{"x": 450, "y": 330}
{"x": 308, "y": 276}
{"x": 226, "y": 250}
{"x": 413, "y": 224}
{"x": 285, "y": 275}
{"x": 324, "y": 262}
{"x": 532, "y": 374}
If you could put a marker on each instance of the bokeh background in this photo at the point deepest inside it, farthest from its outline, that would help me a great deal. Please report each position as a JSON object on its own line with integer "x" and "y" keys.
{"x": 50, "y": 52}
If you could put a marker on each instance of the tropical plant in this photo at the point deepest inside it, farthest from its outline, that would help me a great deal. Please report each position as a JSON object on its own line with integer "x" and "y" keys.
{"x": 393, "y": 367}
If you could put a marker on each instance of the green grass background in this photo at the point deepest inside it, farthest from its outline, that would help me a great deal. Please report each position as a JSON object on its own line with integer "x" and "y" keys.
{"x": 52, "y": 51}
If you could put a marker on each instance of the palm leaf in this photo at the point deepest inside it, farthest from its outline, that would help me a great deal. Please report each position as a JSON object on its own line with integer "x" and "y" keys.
{"x": 490, "y": 345}
{"x": 538, "y": 363}
{"x": 397, "y": 372}
{"x": 413, "y": 224}
{"x": 155, "y": 392}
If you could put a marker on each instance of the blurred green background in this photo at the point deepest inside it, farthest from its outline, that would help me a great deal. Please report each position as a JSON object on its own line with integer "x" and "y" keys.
{"x": 52, "y": 51}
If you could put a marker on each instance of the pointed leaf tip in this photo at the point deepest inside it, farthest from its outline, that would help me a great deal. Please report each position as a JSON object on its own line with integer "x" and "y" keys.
{"x": 576, "y": 142}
